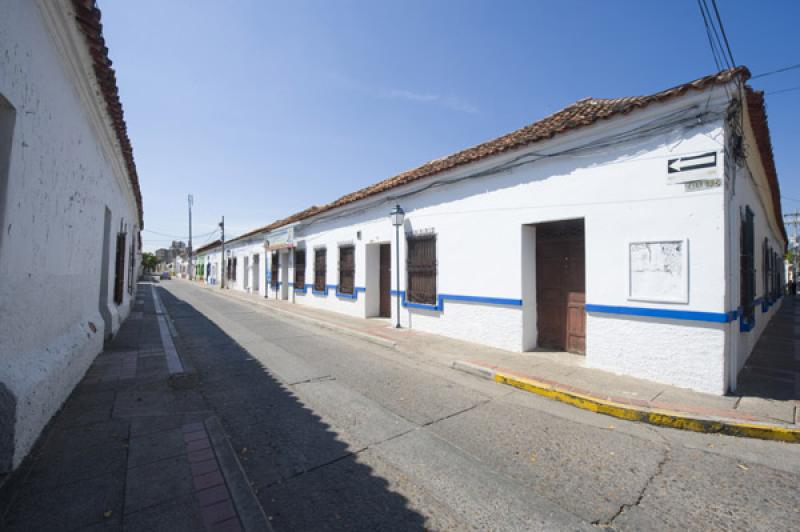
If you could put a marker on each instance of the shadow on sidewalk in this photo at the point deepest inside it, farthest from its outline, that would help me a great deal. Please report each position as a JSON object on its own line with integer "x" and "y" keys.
{"x": 771, "y": 371}
{"x": 305, "y": 477}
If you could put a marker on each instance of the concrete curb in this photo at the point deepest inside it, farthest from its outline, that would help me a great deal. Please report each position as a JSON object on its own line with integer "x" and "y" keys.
{"x": 383, "y": 342}
{"x": 182, "y": 374}
{"x": 251, "y": 514}
{"x": 662, "y": 418}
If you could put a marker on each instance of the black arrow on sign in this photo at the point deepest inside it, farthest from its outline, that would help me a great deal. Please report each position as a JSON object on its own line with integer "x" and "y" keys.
{"x": 695, "y": 162}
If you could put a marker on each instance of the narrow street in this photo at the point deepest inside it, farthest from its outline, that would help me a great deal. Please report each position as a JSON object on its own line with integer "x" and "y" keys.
{"x": 337, "y": 433}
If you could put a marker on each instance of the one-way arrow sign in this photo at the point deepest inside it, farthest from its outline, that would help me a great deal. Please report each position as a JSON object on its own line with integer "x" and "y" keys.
{"x": 695, "y": 162}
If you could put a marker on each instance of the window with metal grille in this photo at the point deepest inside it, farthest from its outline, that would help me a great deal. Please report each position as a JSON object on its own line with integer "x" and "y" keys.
{"x": 747, "y": 267}
{"x": 766, "y": 268}
{"x": 299, "y": 268}
{"x": 119, "y": 274}
{"x": 131, "y": 264}
{"x": 421, "y": 268}
{"x": 347, "y": 269}
{"x": 319, "y": 269}
{"x": 273, "y": 280}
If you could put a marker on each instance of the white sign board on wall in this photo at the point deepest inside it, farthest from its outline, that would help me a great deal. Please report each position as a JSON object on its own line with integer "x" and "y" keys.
{"x": 658, "y": 271}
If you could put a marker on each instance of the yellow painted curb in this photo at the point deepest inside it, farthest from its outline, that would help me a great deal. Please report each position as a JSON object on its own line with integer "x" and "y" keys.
{"x": 660, "y": 418}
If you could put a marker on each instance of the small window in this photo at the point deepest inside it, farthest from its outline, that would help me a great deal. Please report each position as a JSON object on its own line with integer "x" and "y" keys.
{"x": 119, "y": 274}
{"x": 131, "y": 266}
{"x": 421, "y": 268}
{"x": 747, "y": 272}
{"x": 347, "y": 269}
{"x": 766, "y": 268}
{"x": 319, "y": 269}
{"x": 299, "y": 268}
{"x": 275, "y": 265}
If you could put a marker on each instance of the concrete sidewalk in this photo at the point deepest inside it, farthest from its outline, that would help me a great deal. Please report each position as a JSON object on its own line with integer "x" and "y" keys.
{"x": 762, "y": 402}
{"x": 131, "y": 450}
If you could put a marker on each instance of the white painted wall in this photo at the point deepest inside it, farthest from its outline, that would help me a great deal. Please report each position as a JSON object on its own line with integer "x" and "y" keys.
{"x": 63, "y": 174}
{"x": 486, "y": 244}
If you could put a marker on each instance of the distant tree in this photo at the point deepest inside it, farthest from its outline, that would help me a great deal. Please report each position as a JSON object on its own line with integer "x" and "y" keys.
{"x": 149, "y": 261}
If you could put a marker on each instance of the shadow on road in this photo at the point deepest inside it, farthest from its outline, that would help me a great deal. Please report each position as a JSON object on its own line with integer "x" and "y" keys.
{"x": 304, "y": 476}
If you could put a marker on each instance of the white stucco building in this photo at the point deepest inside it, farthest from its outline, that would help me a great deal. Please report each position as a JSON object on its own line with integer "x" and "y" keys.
{"x": 70, "y": 210}
{"x": 643, "y": 232}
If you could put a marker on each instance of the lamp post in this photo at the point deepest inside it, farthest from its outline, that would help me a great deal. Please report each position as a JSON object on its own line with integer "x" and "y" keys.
{"x": 397, "y": 216}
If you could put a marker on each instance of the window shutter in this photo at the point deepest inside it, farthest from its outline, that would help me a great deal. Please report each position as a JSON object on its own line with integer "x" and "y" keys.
{"x": 299, "y": 268}
{"x": 421, "y": 269}
{"x": 347, "y": 269}
{"x": 319, "y": 269}
{"x": 275, "y": 265}
{"x": 119, "y": 274}
{"x": 747, "y": 267}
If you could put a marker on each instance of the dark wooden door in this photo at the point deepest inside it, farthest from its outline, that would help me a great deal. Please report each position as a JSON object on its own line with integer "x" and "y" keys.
{"x": 274, "y": 271}
{"x": 561, "y": 285}
{"x": 385, "y": 287}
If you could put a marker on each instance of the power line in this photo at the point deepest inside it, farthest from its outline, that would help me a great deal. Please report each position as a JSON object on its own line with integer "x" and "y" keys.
{"x": 777, "y": 71}
{"x": 708, "y": 34}
{"x": 789, "y": 89}
{"x": 724, "y": 35}
{"x": 176, "y": 236}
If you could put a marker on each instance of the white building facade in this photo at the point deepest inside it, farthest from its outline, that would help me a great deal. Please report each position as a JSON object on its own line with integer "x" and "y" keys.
{"x": 70, "y": 210}
{"x": 644, "y": 233}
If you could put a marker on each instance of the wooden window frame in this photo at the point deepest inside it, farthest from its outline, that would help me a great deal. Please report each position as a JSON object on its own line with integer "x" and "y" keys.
{"x": 421, "y": 268}
{"x": 320, "y": 274}
{"x": 119, "y": 270}
{"x": 347, "y": 269}
{"x": 274, "y": 268}
{"x": 747, "y": 278}
{"x": 131, "y": 267}
{"x": 299, "y": 269}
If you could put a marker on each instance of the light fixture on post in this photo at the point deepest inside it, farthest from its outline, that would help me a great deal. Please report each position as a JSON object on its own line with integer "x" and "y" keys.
{"x": 397, "y": 216}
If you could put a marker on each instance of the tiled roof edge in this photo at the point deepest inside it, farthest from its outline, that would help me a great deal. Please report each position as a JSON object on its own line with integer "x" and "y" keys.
{"x": 757, "y": 110}
{"x": 568, "y": 119}
{"x": 87, "y": 16}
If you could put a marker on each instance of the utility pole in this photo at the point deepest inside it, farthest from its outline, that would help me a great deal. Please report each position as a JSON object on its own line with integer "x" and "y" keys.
{"x": 191, "y": 271}
{"x": 222, "y": 257}
{"x": 793, "y": 220}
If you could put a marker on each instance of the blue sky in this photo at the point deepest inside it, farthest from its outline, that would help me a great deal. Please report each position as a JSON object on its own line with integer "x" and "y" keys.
{"x": 261, "y": 109}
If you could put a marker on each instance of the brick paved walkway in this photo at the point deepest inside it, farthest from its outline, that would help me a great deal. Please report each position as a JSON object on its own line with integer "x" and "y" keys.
{"x": 126, "y": 450}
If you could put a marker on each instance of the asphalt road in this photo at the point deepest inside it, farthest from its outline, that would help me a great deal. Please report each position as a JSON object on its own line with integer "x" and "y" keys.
{"x": 339, "y": 434}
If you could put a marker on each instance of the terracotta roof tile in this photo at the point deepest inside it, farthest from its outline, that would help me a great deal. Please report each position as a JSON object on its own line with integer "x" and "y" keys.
{"x": 582, "y": 113}
{"x": 88, "y": 17}
{"x": 757, "y": 110}
{"x": 210, "y": 245}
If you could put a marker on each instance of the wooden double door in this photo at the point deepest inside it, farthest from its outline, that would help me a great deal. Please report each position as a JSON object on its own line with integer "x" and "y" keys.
{"x": 561, "y": 285}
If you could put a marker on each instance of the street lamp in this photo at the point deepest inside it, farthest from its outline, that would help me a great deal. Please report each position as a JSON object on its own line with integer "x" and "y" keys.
{"x": 397, "y": 216}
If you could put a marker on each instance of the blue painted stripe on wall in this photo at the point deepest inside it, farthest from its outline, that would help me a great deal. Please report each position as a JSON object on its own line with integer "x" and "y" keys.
{"x": 689, "y": 315}
{"x": 454, "y": 297}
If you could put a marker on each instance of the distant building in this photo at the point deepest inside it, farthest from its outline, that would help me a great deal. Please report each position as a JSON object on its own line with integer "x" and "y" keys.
{"x": 70, "y": 210}
{"x": 644, "y": 232}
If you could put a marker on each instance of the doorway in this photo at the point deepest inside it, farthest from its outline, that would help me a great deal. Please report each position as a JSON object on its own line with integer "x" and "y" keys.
{"x": 385, "y": 282}
{"x": 273, "y": 280}
{"x": 246, "y": 272}
{"x": 561, "y": 285}
{"x": 256, "y": 270}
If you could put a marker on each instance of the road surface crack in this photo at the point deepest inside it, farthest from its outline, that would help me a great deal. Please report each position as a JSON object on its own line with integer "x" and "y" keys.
{"x": 314, "y": 379}
{"x": 609, "y": 524}
{"x": 454, "y": 414}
